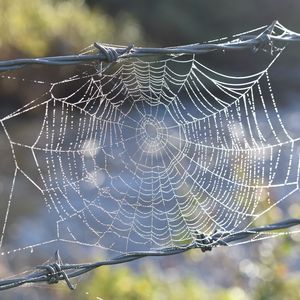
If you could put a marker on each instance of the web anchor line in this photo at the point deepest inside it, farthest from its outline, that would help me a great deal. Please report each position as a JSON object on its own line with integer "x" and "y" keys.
{"x": 111, "y": 53}
{"x": 55, "y": 272}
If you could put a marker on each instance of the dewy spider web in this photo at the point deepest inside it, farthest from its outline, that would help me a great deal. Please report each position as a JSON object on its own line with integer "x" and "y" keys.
{"x": 151, "y": 151}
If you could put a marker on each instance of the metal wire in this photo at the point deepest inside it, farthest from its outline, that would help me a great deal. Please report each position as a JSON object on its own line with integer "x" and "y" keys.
{"x": 110, "y": 53}
{"x": 58, "y": 271}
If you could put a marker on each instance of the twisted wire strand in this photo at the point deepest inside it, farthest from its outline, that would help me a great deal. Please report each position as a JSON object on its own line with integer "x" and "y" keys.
{"x": 56, "y": 272}
{"x": 111, "y": 53}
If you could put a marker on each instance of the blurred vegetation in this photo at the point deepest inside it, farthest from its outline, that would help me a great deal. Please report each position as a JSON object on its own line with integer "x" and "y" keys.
{"x": 38, "y": 28}
{"x": 122, "y": 283}
{"x": 265, "y": 276}
{"x": 172, "y": 22}
{"x": 44, "y": 27}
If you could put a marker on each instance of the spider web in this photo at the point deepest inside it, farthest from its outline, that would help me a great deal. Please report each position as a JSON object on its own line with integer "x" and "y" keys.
{"x": 151, "y": 151}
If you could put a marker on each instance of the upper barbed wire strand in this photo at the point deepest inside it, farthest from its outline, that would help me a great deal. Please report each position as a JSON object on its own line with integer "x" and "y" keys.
{"x": 111, "y": 53}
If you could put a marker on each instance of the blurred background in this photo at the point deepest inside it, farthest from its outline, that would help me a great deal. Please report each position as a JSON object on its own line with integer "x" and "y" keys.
{"x": 33, "y": 28}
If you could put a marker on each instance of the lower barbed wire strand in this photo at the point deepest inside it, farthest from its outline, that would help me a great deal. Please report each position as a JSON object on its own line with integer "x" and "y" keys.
{"x": 54, "y": 273}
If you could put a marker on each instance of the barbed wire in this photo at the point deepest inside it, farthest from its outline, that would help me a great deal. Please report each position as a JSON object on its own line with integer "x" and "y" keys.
{"x": 58, "y": 271}
{"x": 110, "y": 53}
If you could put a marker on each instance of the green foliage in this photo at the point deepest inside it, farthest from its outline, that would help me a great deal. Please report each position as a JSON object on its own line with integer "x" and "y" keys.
{"x": 277, "y": 282}
{"x": 121, "y": 283}
{"x": 265, "y": 275}
{"x": 43, "y": 27}
{"x": 279, "y": 289}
